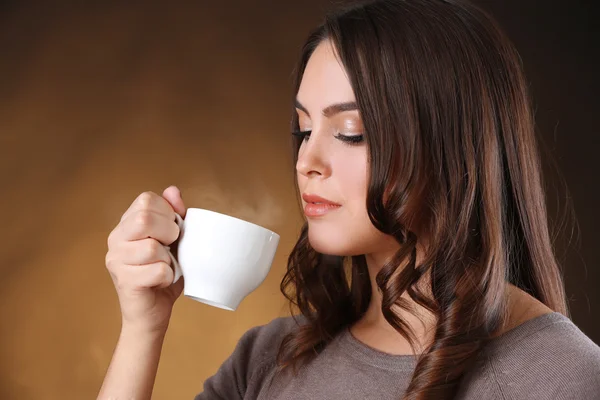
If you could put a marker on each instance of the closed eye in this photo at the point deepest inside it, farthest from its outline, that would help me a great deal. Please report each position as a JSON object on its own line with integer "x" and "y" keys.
{"x": 353, "y": 139}
{"x": 349, "y": 139}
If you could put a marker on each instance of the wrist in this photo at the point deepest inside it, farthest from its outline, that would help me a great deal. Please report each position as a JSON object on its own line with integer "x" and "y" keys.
{"x": 143, "y": 331}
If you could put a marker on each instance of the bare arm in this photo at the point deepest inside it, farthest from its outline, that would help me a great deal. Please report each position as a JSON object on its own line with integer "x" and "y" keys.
{"x": 139, "y": 264}
{"x": 132, "y": 371}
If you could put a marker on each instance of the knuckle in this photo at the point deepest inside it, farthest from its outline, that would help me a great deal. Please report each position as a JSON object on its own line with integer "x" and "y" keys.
{"x": 110, "y": 239}
{"x": 110, "y": 262}
{"x": 162, "y": 272}
{"x": 153, "y": 248}
{"x": 144, "y": 200}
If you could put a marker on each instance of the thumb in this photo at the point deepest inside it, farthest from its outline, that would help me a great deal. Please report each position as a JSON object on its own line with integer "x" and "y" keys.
{"x": 173, "y": 195}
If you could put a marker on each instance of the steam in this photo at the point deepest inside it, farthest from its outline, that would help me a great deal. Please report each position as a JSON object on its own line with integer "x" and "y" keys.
{"x": 259, "y": 207}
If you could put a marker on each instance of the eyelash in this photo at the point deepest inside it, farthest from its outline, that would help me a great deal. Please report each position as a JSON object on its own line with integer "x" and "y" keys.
{"x": 350, "y": 140}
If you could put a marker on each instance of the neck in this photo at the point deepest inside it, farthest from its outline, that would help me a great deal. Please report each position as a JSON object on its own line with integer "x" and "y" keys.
{"x": 374, "y": 330}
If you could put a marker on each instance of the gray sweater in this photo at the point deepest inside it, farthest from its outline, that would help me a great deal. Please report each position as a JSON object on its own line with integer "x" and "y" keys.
{"x": 547, "y": 357}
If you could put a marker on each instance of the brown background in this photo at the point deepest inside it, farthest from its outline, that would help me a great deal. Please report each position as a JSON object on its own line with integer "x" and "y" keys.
{"x": 100, "y": 101}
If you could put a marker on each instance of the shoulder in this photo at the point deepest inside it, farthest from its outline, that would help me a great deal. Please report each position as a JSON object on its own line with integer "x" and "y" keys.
{"x": 244, "y": 372}
{"x": 261, "y": 343}
{"x": 545, "y": 357}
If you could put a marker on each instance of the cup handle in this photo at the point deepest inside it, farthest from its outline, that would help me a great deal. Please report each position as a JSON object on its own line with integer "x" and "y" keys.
{"x": 174, "y": 263}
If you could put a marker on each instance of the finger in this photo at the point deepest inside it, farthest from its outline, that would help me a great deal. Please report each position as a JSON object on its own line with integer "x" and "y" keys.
{"x": 145, "y": 224}
{"x": 149, "y": 201}
{"x": 155, "y": 275}
{"x": 140, "y": 252}
{"x": 172, "y": 195}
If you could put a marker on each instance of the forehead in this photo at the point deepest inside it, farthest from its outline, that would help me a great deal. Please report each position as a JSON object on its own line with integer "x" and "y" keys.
{"x": 325, "y": 81}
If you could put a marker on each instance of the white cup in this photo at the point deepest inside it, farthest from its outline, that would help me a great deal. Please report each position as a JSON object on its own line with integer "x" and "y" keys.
{"x": 222, "y": 258}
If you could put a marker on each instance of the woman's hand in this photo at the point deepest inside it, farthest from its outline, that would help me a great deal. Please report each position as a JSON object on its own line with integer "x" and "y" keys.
{"x": 140, "y": 265}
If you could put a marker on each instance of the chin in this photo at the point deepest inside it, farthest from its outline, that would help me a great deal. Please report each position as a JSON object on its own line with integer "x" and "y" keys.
{"x": 334, "y": 245}
{"x": 349, "y": 240}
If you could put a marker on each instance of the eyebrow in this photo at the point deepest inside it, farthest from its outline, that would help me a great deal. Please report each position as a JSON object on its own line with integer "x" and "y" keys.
{"x": 331, "y": 110}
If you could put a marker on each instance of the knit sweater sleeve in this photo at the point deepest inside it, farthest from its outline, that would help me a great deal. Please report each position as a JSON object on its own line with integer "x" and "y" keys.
{"x": 243, "y": 373}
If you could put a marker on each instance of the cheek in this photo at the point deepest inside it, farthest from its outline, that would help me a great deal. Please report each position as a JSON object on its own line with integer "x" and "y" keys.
{"x": 349, "y": 230}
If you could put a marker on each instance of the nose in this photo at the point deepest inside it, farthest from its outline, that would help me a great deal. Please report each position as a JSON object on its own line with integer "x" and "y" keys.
{"x": 311, "y": 157}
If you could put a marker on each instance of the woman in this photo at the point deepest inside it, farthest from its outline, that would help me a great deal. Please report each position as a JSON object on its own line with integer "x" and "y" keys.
{"x": 425, "y": 269}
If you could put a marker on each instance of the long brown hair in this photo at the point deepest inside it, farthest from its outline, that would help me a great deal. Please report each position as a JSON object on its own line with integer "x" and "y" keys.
{"x": 453, "y": 157}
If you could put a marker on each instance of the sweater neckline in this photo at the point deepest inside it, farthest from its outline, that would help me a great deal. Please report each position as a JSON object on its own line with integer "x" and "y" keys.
{"x": 371, "y": 356}
{"x": 377, "y": 358}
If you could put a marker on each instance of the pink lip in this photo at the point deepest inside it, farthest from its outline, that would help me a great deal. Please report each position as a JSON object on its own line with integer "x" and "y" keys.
{"x": 313, "y": 198}
{"x": 312, "y": 209}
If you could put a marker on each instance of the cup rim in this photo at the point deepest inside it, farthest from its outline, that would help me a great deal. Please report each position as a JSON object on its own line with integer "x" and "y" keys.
{"x": 196, "y": 209}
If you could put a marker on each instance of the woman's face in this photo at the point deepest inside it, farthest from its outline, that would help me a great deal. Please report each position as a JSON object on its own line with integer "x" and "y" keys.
{"x": 333, "y": 160}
